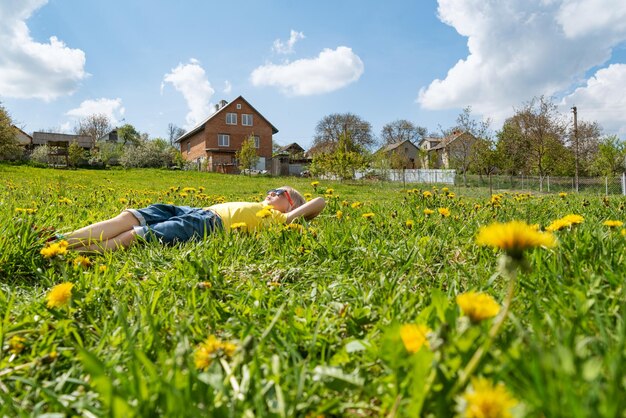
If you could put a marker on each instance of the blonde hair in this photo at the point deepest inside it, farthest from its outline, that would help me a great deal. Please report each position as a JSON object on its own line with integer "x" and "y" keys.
{"x": 296, "y": 197}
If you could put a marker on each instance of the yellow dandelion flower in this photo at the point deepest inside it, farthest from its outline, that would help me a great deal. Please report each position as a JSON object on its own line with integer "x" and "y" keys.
{"x": 513, "y": 237}
{"x": 562, "y": 195}
{"x": 339, "y": 214}
{"x": 330, "y": 191}
{"x": 574, "y": 219}
{"x": 264, "y": 213}
{"x": 613, "y": 224}
{"x": 444, "y": 212}
{"x": 82, "y": 261}
{"x": 239, "y": 225}
{"x": 315, "y": 184}
{"x": 414, "y": 337}
{"x": 565, "y": 222}
{"x": 59, "y": 295}
{"x": 102, "y": 268}
{"x": 368, "y": 215}
{"x": 54, "y": 249}
{"x": 356, "y": 205}
{"x": 444, "y": 189}
{"x": 409, "y": 223}
{"x": 16, "y": 344}
{"x": 428, "y": 212}
{"x": 451, "y": 195}
{"x": 123, "y": 201}
{"x": 427, "y": 194}
{"x": 483, "y": 399}
{"x": 478, "y": 306}
{"x": 308, "y": 196}
{"x": 211, "y": 348}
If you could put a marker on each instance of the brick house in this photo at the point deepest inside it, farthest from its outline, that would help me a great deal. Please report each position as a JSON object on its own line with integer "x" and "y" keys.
{"x": 216, "y": 140}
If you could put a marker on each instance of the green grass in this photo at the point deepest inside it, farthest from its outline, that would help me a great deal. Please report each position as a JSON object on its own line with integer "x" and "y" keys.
{"x": 314, "y": 313}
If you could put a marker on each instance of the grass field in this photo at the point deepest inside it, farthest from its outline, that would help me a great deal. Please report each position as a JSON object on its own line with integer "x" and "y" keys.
{"x": 356, "y": 313}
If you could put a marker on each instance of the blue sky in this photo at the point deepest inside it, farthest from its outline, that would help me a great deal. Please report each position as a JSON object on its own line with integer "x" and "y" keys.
{"x": 151, "y": 63}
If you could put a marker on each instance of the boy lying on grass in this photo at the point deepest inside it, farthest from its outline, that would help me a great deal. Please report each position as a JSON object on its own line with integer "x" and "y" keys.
{"x": 170, "y": 224}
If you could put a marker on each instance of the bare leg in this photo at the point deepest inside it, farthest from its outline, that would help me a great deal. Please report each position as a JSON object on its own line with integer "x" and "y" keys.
{"x": 103, "y": 231}
{"x": 123, "y": 240}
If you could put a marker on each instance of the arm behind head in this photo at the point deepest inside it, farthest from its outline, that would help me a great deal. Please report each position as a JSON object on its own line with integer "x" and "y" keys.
{"x": 309, "y": 210}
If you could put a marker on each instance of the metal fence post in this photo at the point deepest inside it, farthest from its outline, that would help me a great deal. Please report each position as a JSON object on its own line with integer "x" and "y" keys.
{"x": 606, "y": 186}
{"x": 624, "y": 184}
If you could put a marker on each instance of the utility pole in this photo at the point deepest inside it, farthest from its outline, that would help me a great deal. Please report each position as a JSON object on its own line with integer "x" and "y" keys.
{"x": 576, "y": 144}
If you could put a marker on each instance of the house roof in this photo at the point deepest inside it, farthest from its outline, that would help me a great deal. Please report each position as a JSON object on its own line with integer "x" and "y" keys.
{"x": 445, "y": 141}
{"x": 200, "y": 126}
{"x": 391, "y": 147}
{"x": 42, "y": 138}
{"x": 22, "y": 137}
{"x": 292, "y": 145}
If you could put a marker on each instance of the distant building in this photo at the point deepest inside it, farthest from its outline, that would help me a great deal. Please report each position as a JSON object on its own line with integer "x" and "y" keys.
{"x": 404, "y": 154}
{"x": 439, "y": 151}
{"x": 215, "y": 141}
{"x": 294, "y": 150}
{"x": 110, "y": 136}
{"x": 45, "y": 138}
{"x": 25, "y": 140}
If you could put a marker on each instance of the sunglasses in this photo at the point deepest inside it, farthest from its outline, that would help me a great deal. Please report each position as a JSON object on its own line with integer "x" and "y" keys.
{"x": 280, "y": 192}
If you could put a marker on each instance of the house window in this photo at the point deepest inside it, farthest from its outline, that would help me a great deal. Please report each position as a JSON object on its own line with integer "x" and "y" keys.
{"x": 188, "y": 147}
{"x": 223, "y": 140}
{"x": 238, "y": 106}
{"x": 257, "y": 142}
{"x": 231, "y": 119}
{"x": 246, "y": 120}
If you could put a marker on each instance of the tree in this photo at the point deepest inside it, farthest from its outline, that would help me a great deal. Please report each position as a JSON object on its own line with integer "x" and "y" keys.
{"x": 129, "y": 135}
{"x": 343, "y": 161}
{"x": 174, "y": 132}
{"x": 401, "y": 130}
{"x": 332, "y": 128}
{"x": 610, "y": 158}
{"x": 511, "y": 149}
{"x": 542, "y": 129}
{"x": 95, "y": 126}
{"x": 466, "y": 136}
{"x": 247, "y": 155}
{"x": 9, "y": 146}
{"x": 76, "y": 154}
{"x": 588, "y": 136}
{"x": 156, "y": 153}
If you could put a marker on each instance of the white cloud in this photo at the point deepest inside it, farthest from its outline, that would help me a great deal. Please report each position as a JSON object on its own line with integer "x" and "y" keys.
{"x": 523, "y": 48}
{"x": 329, "y": 71}
{"x": 602, "y": 99}
{"x": 227, "y": 87}
{"x": 29, "y": 69}
{"x": 281, "y": 47}
{"x": 111, "y": 108}
{"x": 580, "y": 18}
{"x": 191, "y": 81}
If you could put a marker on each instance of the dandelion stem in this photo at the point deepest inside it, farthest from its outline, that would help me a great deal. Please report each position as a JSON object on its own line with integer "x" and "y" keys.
{"x": 509, "y": 271}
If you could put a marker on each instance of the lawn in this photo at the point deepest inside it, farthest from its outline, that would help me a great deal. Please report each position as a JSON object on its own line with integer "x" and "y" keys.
{"x": 393, "y": 302}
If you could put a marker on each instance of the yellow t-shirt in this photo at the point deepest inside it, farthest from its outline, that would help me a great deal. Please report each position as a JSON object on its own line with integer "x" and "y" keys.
{"x": 236, "y": 212}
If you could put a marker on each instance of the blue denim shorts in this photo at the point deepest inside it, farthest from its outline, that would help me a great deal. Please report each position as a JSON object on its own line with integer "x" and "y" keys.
{"x": 170, "y": 224}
